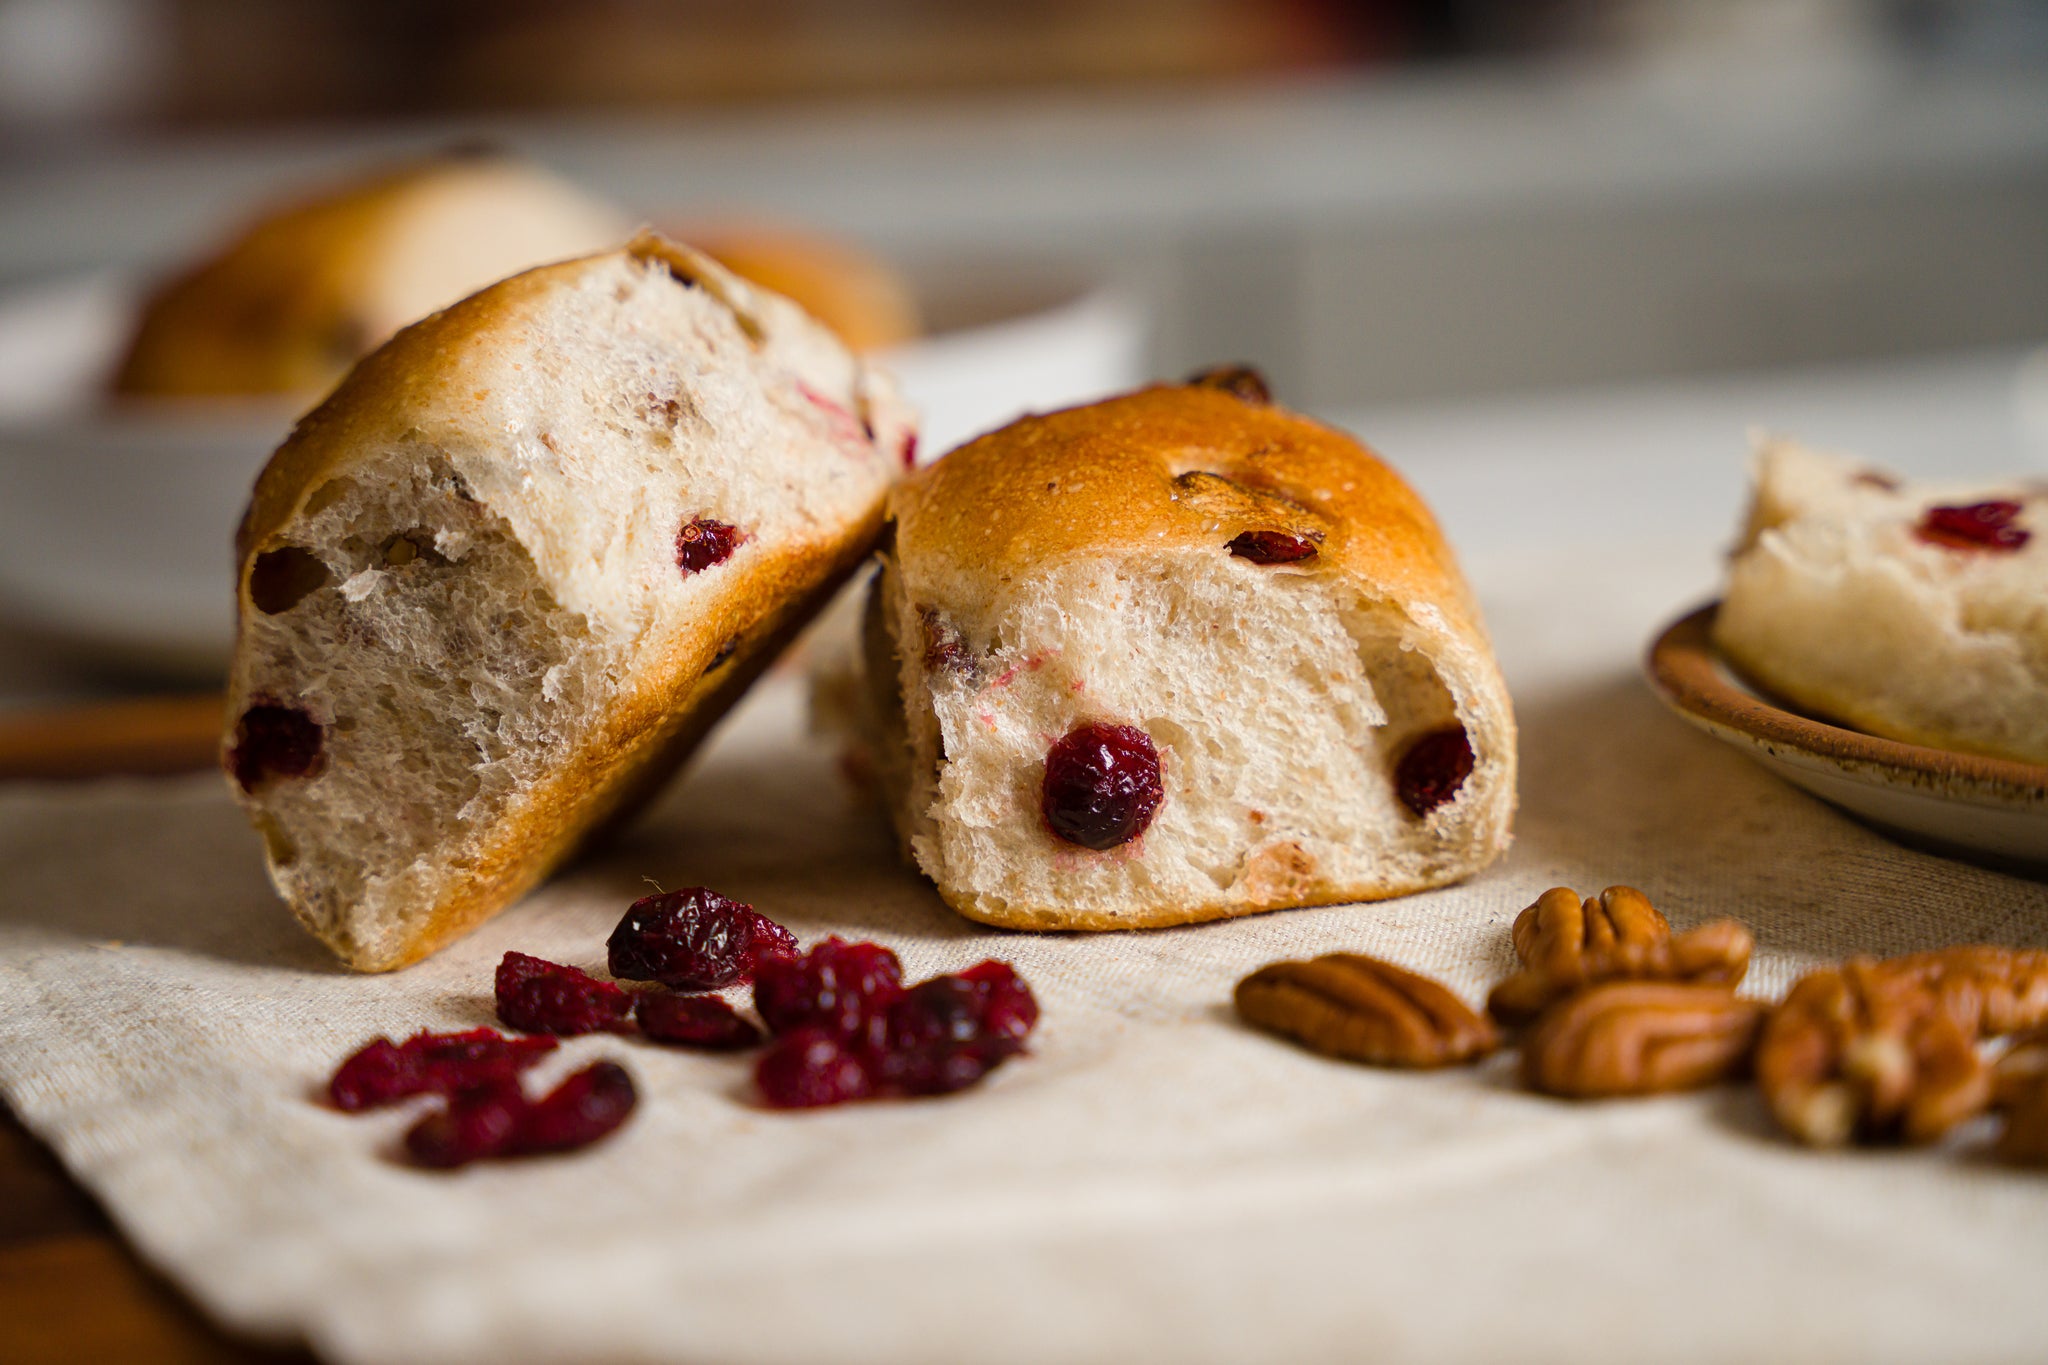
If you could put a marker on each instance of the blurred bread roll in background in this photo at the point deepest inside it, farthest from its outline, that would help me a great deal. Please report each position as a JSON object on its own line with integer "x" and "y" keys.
{"x": 313, "y": 284}
{"x": 852, "y": 291}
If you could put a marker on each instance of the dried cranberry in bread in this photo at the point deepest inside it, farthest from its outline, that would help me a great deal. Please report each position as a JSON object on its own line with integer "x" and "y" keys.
{"x": 503, "y": 580}
{"x": 1176, "y": 656}
{"x": 312, "y": 284}
{"x": 1914, "y": 611}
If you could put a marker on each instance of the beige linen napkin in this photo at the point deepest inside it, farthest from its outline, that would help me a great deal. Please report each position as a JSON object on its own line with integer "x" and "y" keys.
{"x": 1153, "y": 1183}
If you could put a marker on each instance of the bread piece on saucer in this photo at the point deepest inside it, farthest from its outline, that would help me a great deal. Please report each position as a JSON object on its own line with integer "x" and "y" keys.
{"x": 312, "y": 285}
{"x": 1917, "y": 612}
{"x": 501, "y": 581}
{"x": 1177, "y": 656}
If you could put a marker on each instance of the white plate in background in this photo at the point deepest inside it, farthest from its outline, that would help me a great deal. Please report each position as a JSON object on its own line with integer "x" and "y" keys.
{"x": 117, "y": 520}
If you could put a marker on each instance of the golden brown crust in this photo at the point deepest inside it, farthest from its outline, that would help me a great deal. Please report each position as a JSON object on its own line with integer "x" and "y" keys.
{"x": 1102, "y": 478}
{"x": 1164, "y": 470}
{"x": 429, "y": 385}
{"x": 610, "y": 778}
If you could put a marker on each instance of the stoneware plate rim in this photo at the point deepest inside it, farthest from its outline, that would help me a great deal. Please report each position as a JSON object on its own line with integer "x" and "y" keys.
{"x": 1690, "y": 676}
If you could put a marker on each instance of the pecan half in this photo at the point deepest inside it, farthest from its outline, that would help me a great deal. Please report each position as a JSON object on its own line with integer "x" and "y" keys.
{"x": 1567, "y": 944}
{"x": 1364, "y": 1010}
{"x": 1868, "y": 1050}
{"x": 1639, "y": 1038}
{"x": 2020, "y": 1087}
{"x": 2022, "y": 1068}
{"x": 1988, "y": 990}
{"x": 2025, "y": 1139}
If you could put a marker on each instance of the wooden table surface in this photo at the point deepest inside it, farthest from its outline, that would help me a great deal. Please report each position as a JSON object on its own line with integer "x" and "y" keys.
{"x": 70, "y": 1288}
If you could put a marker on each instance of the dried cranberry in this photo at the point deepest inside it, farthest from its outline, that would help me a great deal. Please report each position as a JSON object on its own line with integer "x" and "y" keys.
{"x": 1102, "y": 785}
{"x": 1980, "y": 526}
{"x": 693, "y": 1021}
{"x": 274, "y": 741}
{"x": 1241, "y": 381}
{"x": 944, "y": 646}
{"x": 1433, "y": 769}
{"x": 1011, "y": 1010}
{"x": 585, "y": 1107}
{"x": 811, "y": 1067}
{"x": 840, "y": 987}
{"x": 478, "y": 1123}
{"x": 703, "y": 543}
{"x": 545, "y": 997}
{"x": 937, "y": 1040}
{"x": 694, "y": 939}
{"x": 1272, "y": 547}
{"x": 910, "y": 450}
{"x": 384, "y": 1072}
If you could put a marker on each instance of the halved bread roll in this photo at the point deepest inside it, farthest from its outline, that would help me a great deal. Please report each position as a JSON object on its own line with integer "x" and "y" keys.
{"x": 311, "y": 285}
{"x": 510, "y": 572}
{"x": 1177, "y": 656}
{"x": 1917, "y": 612}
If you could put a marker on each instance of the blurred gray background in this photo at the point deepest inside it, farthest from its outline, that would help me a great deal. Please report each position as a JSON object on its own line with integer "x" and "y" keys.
{"x": 1379, "y": 202}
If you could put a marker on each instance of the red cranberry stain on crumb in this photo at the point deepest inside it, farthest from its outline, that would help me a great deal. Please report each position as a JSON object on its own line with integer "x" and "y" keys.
{"x": 847, "y": 430}
{"x": 703, "y": 543}
{"x": 1434, "y": 769}
{"x": 273, "y": 740}
{"x": 1102, "y": 785}
{"x": 538, "y": 996}
{"x": 1980, "y": 526}
{"x": 694, "y": 939}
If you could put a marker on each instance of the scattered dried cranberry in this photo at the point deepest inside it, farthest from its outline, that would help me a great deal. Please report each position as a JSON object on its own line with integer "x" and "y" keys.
{"x": 1433, "y": 769}
{"x": 545, "y": 997}
{"x": 1242, "y": 381}
{"x": 585, "y": 1107}
{"x": 694, "y": 940}
{"x": 498, "y": 1120}
{"x": 384, "y": 1072}
{"x": 843, "y": 988}
{"x": 947, "y": 1033}
{"x": 1980, "y": 526}
{"x": 1102, "y": 785}
{"x": 910, "y": 450}
{"x": 810, "y": 1067}
{"x": 693, "y": 1021}
{"x": 1272, "y": 547}
{"x": 476, "y": 1124}
{"x": 274, "y": 741}
{"x": 1011, "y": 1010}
{"x": 703, "y": 543}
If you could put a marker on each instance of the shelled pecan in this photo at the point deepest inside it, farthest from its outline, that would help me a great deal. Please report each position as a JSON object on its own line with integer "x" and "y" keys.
{"x": 1364, "y": 1010}
{"x": 1639, "y": 1038}
{"x": 1874, "y": 1050}
{"x": 1567, "y": 944}
{"x": 1988, "y": 990}
{"x": 2022, "y": 1067}
{"x": 2025, "y": 1139}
